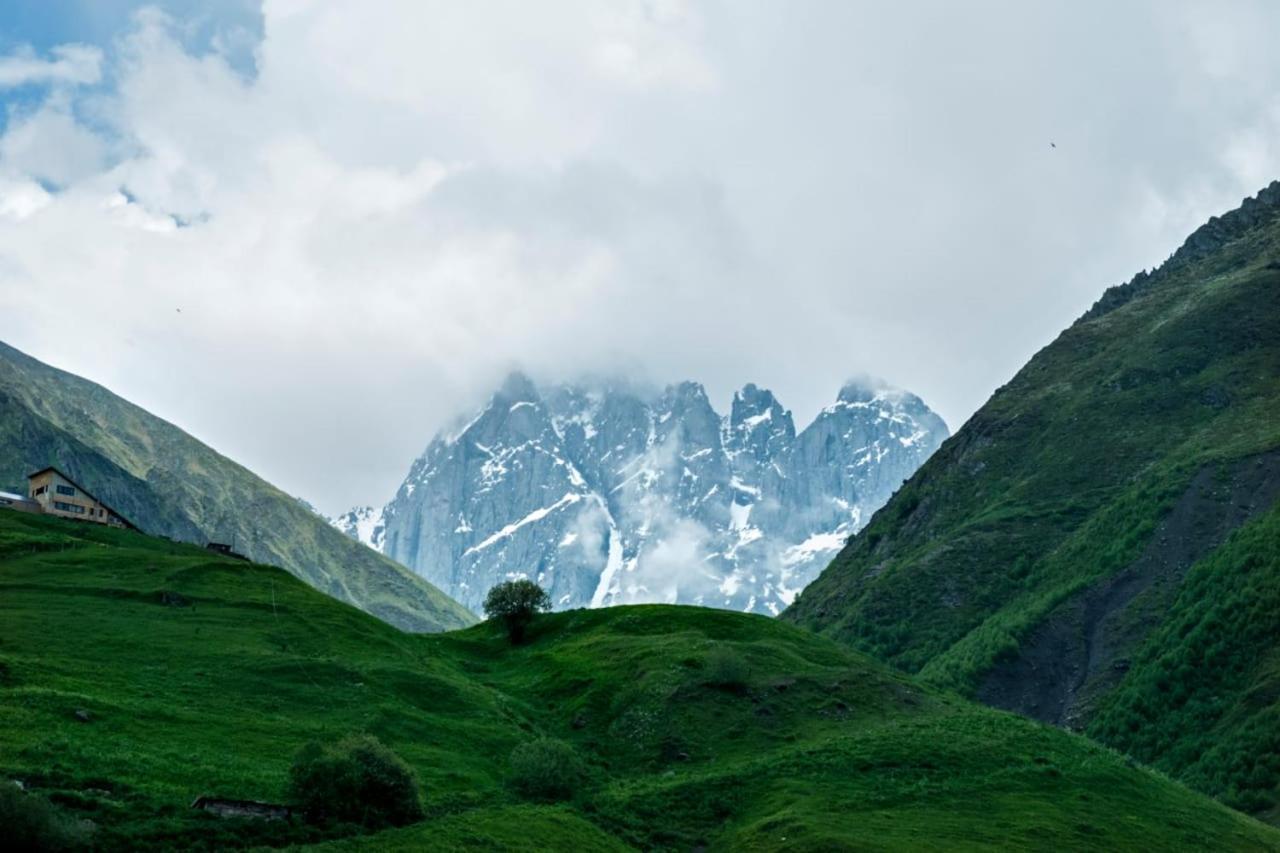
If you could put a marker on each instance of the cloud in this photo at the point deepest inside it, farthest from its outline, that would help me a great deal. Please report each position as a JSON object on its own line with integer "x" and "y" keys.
{"x": 71, "y": 64}
{"x": 402, "y": 203}
{"x": 49, "y": 145}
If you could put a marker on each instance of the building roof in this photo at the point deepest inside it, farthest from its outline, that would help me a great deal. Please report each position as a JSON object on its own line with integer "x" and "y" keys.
{"x": 63, "y": 475}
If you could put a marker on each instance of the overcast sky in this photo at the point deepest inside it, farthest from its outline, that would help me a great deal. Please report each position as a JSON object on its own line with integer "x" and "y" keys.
{"x": 368, "y": 213}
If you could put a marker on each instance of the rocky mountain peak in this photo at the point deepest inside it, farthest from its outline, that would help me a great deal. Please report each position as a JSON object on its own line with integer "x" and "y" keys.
{"x": 517, "y": 388}
{"x": 758, "y": 423}
{"x": 607, "y": 494}
{"x": 861, "y": 391}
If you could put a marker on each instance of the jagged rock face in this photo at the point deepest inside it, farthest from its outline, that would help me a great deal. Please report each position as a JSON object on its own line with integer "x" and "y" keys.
{"x": 605, "y": 495}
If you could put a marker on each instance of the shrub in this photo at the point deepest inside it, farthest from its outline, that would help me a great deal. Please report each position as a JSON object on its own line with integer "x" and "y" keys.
{"x": 726, "y": 669}
{"x": 357, "y": 780}
{"x": 30, "y": 822}
{"x": 546, "y": 769}
{"x": 516, "y": 603}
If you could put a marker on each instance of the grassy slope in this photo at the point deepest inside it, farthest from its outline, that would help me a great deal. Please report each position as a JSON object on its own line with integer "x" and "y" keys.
{"x": 1204, "y": 700}
{"x": 204, "y": 675}
{"x": 1058, "y": 482}
{"x": 169, "y": 483}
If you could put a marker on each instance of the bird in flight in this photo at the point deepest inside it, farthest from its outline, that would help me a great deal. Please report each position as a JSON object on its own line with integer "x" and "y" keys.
{"x": 179, "y": 310}
{"x": 1053, "y": 145}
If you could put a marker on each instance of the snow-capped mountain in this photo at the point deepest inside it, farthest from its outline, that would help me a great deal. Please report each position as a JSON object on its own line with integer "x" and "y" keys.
{"x": 606, "y": 495}
{"x": 364, "y": 524}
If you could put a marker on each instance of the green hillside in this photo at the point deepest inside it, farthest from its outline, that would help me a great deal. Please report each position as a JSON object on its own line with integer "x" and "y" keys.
{"x": 1097, "y": 546}
{"x": 170, "y": 484}
{"x": 137, "y": 673}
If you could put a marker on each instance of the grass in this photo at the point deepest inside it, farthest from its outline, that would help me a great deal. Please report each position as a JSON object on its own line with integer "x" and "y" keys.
{"x": 1203, "y": 700}
{"x": 170, "y": 484}
{"x": 137, "y": 673}
{"x": 1056, "y": 486}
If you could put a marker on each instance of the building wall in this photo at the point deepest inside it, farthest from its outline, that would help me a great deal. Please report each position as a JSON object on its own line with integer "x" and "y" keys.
{"x": 59, "y": 496}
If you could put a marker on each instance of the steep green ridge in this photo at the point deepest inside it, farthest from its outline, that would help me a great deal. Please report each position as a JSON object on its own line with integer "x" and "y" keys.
{"x": 170, "y": 484}
{"x": 196, "y": 674}
{"x": 1042, "y": 559}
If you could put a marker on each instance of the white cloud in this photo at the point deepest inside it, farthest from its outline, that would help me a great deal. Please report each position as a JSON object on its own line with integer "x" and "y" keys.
{"x": 71, "y": 64}
{"x": 407, "y": 200}
{"x": 21, "y": 198}
{"x": 50, "y": 145}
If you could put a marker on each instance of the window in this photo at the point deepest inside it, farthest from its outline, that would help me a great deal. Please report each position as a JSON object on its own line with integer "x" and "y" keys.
{"x": 42, "y": 490}
{"x": 66, "y": 490}
{"x": 66, "y": 507}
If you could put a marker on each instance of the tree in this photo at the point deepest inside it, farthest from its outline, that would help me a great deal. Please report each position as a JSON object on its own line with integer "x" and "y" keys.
{"x": 546, "y": 769}
{"x": 357, "y": 780}
{"x": 516, "y": 603}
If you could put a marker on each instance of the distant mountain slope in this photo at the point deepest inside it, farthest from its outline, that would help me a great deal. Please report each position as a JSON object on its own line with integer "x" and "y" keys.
{"x": 136, "y": 674}
{"x": 169, "y": 483}
{"x": 1068, "y": 553}
{"x": 609, "y": 495}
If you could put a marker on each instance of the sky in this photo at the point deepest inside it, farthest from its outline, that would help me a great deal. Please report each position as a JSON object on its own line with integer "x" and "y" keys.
{"x": 313, "y": 233}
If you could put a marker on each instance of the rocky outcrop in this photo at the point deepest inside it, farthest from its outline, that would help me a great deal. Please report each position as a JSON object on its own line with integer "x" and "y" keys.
{"x": 1252, "y": 213}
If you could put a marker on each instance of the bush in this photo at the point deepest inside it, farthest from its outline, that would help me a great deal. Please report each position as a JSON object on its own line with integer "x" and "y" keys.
{"x": 727, "y": 669}
{"x": 357, "y": 780}
{"x": 516, "y": 603}
{"x": 546, "y": 769}
{"x": 30, "y": 822}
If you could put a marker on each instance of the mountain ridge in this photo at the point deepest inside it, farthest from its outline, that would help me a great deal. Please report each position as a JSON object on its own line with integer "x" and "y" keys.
{"x": 1038, "y": 555}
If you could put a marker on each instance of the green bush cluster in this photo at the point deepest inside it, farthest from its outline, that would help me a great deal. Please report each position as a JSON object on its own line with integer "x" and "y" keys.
{"x": 726, "y": 669}
{"x": 357, "y": 780}
{"x": 546, "y": 769}
{"x": 30, "y": 822}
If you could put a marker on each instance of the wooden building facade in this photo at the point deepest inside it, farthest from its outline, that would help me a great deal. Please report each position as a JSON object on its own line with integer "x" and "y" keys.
{"x": 57, "y": 494}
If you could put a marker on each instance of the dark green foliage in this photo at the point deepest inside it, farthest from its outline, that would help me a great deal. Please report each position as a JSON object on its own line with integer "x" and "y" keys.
{"x": 726, "y": 669}
{"x": 29, "y": 822}
{"x": 516, "y": 603}
{"x": 546, "y": 769}
{"x": 357, "y": 780}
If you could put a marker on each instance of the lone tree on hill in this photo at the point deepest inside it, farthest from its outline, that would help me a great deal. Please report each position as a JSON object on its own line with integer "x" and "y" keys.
{"x": 516, "y": 603}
